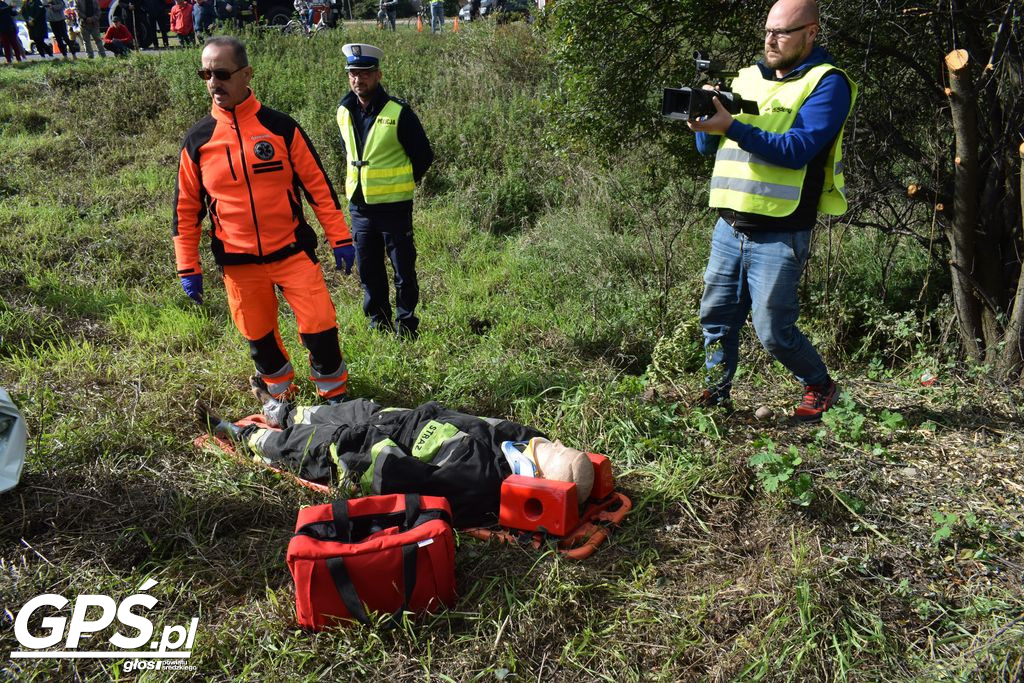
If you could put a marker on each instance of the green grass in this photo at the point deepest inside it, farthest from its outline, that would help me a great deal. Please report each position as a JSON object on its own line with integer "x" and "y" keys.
{"x": 555, "y": 292}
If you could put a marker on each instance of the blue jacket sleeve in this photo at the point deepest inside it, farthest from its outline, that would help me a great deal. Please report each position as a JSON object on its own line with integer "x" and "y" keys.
{"x": 414, "y": 139}
{"x": 707, "y": 143}
{"x": 817, "y": 123}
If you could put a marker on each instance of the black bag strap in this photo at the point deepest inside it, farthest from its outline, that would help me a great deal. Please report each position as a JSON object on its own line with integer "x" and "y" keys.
{"x": 412, "y": 510}
{"x": 342, "y": 528}
{"x": 347, "y": 591}
{"x": 336, "y": 565}
{"x": 350, "y": 597}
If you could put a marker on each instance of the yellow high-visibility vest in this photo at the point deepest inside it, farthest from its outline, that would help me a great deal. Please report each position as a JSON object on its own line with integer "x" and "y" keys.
{"x": 743, "y": 181}
{"x": 384, "y": 170}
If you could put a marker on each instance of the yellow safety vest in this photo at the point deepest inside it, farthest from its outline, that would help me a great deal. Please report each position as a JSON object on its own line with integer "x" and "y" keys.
{"x": 384, "y": 170}
{"x": 743, "y": 181}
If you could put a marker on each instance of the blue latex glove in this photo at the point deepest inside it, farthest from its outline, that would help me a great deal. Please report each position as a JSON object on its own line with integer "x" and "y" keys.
{"x": 346, "y": 255}
{"x": 193, "y": 286}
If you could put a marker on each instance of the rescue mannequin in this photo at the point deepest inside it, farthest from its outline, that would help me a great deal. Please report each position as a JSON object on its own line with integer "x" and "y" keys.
{"x": 429, "y": 450}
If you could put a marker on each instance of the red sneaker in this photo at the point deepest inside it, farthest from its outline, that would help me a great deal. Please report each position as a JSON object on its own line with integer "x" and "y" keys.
{"x": 817, "y": 399}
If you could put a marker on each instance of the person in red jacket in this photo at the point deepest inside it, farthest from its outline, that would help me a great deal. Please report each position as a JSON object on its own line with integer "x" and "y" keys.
{"x": 248, "y": 166}
{"x": 118, "y": 39}
{"x": 181, "y": 22}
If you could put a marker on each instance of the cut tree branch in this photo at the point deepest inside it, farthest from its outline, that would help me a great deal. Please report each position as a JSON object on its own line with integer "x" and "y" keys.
{"x": 965, "y": 201}
{"x": 929, "y": 195}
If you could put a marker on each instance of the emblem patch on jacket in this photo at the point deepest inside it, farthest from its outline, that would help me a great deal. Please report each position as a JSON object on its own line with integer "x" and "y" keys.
{"x": 263, "y": 150}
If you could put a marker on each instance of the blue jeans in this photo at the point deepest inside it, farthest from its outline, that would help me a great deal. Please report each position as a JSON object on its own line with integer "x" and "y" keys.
{"x": 436, "y": 16}
{"x": 755, "y": 273}
{"x": 374, "y": 231}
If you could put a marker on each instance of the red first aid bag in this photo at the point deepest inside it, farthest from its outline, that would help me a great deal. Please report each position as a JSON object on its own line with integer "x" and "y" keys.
{"x": 391, "y": 553}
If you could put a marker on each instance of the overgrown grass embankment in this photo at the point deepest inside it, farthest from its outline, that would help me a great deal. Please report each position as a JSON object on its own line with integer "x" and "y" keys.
{"x": 886, "y": 544}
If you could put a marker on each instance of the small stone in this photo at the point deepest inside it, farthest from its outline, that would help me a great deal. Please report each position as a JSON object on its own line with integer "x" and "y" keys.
{"x": 763, "y": 413}
{"x": 909, "y": 472}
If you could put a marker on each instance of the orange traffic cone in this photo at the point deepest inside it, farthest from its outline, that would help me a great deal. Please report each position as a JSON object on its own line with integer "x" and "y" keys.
{"x": 419, "y": 24}
{"x": 456, "y": 27}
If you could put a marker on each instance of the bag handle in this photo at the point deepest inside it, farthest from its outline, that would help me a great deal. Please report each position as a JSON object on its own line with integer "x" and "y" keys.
{"x": 412, "y": 510}
{"x": 343, "y": 527}
{"x": 336, "y": 565}
{"x": 350, "y": 596}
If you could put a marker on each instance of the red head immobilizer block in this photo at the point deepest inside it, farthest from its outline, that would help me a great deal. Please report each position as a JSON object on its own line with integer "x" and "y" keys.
{"x": 604, "y": 482}
{"x": 530, "y": 504}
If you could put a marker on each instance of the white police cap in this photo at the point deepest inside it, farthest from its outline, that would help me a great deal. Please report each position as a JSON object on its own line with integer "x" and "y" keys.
{"x": 361, "y": 56}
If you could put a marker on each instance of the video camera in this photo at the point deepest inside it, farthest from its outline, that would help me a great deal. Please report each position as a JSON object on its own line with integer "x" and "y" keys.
{"x": 689, "y": 104}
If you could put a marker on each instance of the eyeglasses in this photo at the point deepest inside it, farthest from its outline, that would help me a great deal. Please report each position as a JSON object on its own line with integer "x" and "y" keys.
{"x": 783, "y": 32}
{"x": 356, "y": 73}
{"x": 221, "y": 74}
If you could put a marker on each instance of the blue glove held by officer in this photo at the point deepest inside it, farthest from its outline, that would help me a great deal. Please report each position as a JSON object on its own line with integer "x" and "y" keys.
{"x": 193, "y": 286}
{"x": 345, "y": 254}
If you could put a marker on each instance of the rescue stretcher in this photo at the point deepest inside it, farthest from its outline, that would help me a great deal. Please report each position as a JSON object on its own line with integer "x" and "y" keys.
{"x": 534, "y": 513}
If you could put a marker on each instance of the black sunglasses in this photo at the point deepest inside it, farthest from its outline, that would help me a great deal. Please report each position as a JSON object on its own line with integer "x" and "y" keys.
{"x": 221, "y": 74}
{"x": 784, "y": 32}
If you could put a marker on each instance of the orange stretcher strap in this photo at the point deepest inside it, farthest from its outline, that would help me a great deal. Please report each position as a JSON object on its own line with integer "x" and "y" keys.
{"x": 597, "y": 521}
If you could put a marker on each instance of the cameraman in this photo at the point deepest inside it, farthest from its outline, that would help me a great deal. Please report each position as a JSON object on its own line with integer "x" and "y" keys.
{"x": 773, "y": 173}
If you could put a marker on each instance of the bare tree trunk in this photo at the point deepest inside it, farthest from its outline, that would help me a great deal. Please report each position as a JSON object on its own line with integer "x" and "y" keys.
{"x": 1013, "y": 350}
{"x": 965, "y": 202}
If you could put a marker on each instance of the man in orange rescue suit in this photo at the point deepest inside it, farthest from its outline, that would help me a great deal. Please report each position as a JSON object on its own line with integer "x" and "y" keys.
{"x": 247, "y": 165}
{"x": 387, "y": 153}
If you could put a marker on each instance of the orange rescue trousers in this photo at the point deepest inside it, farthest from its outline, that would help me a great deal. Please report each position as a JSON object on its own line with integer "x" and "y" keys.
{"x": 253, "y": 303}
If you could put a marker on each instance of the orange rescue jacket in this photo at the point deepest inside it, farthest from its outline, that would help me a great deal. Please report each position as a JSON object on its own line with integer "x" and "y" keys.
{"x": 247, "y": 168}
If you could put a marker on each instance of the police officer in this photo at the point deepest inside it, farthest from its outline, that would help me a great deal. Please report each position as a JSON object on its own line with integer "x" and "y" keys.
{"x": 247, "y": 165}
{"x": 387, "y": 154}
{"x": 773, "y": 172}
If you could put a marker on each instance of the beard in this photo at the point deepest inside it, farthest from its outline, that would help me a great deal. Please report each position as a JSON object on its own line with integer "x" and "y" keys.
{"x": 784, "y": 62}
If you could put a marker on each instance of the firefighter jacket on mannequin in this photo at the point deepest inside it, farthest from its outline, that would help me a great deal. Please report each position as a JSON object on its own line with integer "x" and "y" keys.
{"x": 429, "y": 450}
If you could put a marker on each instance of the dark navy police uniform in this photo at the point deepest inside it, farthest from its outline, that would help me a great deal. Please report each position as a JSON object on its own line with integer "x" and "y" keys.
{"x": 378, "y": 227}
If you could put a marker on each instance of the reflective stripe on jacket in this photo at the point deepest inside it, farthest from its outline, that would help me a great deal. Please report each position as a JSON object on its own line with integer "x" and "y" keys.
{"x": 249, "y": 168}
{"x": 742, "y": 181}
{"x": 384, "y": 170}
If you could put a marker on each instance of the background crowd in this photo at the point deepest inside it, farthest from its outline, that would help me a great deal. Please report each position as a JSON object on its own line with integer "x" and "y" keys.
{"x": 60, "y": 28}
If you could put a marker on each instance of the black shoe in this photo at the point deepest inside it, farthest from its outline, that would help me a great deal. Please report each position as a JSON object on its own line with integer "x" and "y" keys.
{"x": 215, "y": 424}
{"x": 406, "y": 332}
{"x": 710, "y": 399}
{"x": 383, "y": 326}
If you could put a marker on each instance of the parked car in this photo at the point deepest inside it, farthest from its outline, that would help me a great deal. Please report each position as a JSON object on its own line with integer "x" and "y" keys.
{"x": 514, "y": 9}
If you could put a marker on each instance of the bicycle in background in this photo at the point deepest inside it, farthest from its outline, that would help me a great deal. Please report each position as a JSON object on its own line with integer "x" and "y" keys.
{"x": 322, "y": 22}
